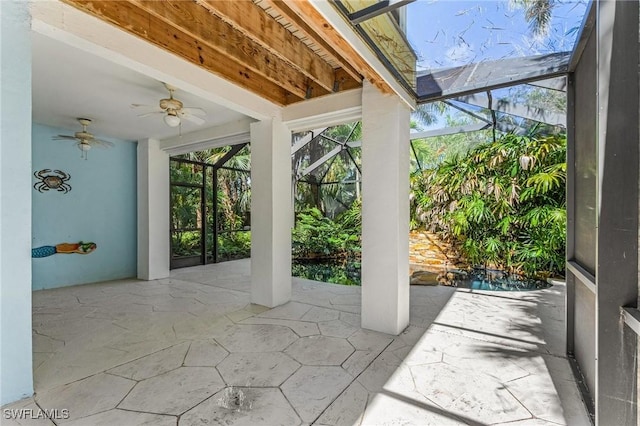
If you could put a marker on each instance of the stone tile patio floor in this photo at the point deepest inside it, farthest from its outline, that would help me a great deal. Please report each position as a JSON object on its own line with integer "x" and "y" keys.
{"x": 166, "y": 352}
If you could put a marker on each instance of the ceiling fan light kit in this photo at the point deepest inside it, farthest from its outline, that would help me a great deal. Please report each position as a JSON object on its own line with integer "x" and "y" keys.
{"x": 172, "y": 120}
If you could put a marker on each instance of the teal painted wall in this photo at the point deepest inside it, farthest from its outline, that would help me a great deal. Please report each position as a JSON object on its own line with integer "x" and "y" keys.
{"x": 101, "y": 207}
{"x": 16, "y": 369}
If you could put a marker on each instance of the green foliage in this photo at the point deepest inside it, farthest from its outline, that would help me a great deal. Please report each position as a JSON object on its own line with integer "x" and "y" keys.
{"x": 502, "y": 203}
{"x": 233, "y": 197}
{"x": 346, "y": 273}
{"x": 186, "y": 243}
{"x": 234, "y": 245}
{"x": 317, "y": 236}
{"x": 430, "y": 152}
{"x": 351, "y": 219}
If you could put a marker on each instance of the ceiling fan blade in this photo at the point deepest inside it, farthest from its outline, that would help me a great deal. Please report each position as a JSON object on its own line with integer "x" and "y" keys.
{"x": 146, "y": 114}
{"x": 194, "y": 111}
{"x": 99, "y": 143}
{"x": 192, "y": 118}
{"x": 63, "y": 138}
{"x": 142, "y": 106}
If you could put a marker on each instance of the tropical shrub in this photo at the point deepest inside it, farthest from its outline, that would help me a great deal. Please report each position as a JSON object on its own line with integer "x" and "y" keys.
{"x": 186, "y": 243}
{"x": 316, "y": 236}
{"x": 502, "y": 204}
{"x": 234, "y": 245}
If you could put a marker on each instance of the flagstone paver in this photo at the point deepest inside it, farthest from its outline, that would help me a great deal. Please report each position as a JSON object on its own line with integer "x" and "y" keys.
{"x": 268, "y": 407}
{"x": 320, "y": 350}
{"x": 174, "y": 350}
{"x": 257, "y": 369}
{"x": 174, "y": 392}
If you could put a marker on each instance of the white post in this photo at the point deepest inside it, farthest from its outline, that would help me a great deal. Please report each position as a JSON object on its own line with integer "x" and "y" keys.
{"x": 270, "y": 213}
{"x": 16, "y": 378}
{"x": 153, "y": 211}
{"x": 385, "y": 212}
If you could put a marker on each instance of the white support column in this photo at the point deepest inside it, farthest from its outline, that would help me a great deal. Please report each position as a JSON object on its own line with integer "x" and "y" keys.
{"x": 153, "y": 211}
{"x": 16, "y": 378}
{"x": 385, "y": 212}
{"x": 271, "y": 213}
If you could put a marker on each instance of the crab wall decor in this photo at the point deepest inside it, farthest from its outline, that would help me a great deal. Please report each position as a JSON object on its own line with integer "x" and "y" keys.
{"x": 52, "y": 179}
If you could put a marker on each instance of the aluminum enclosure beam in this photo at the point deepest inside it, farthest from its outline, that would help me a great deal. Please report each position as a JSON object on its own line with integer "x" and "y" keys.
{"x": 558, "y": 83}
{"x": 376, "y": 9}
{"x": 449, "y": 131}
{"x": 523, "y": 111}
{"x": 618, "y": 135}
{"x": 320, "y": 161}
{"x": 304, "y": 141}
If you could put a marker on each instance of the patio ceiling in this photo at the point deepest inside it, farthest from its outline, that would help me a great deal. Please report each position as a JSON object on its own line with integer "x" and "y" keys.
{"x": 269, "y": 47}
{"x": 69, "y": 82}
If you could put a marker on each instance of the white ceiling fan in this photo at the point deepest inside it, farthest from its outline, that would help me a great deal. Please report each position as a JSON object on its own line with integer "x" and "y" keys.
{"x": 174, "y": 111}
{"x": 85, "y": 140}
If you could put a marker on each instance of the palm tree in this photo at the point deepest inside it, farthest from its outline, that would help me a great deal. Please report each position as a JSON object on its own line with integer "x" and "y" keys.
{"x": 538, "y": 14}
{"x": 501, "y": 203}
{"x": 426, "y": 114}
{"x": 234, "y": 183}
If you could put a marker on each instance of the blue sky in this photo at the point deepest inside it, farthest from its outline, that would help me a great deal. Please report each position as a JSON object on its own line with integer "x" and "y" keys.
{"x": 448, "y": 33}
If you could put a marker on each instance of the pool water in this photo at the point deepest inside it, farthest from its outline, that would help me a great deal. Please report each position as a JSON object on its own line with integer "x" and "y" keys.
{"x": 492, "y": 280}
{"x": 348, "y": 273}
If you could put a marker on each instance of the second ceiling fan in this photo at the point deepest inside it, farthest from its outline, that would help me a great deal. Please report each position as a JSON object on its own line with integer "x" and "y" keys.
{"x": 174, "y": 111}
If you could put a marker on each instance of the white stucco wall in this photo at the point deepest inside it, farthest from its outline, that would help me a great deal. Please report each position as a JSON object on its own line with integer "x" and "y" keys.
{"x": 385, "y": 211}
{"x": 272, "y": 213}
{"x": 153, "y": 211}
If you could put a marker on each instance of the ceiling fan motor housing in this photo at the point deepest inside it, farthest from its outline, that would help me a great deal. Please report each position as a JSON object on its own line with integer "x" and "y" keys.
{"x": 83, "y": 135}
{"x": 170, "y": 104}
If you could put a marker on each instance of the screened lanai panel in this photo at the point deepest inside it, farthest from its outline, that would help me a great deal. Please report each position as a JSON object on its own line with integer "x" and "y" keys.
{"x": 464, "y": 45}
{"x": 469, "y": 78}
{"x": 586, "y": 166}
{"x": 327, "y": 155}
{"x": 242, "y": 159}
{"x": 438, "y": 115}
{"x": 186, "y": 172}
{"x": 317, "y": 174}
{"x": 344, "y": 133}
{"x": 312, "y": 155}
{"x": 342, "y": 169}
{"x": 523, "y": 100}
{"x": 534, "y": 102}
{"x": 386, "y": 32}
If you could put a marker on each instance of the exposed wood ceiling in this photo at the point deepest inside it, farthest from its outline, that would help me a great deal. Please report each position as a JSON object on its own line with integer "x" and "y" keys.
{"x": 283, "y": 51}
{"x": 303, "y": 14}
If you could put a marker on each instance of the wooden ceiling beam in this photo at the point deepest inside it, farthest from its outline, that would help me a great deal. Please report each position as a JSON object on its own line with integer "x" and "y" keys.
{"x": 217, "y": 58}
{"x": 252, "y": 20}
{"x": 196, "y": 21}
{"x": 300, "y": 24}
{"x": 303, "y": 12}
{"x": 344, "y": 80}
